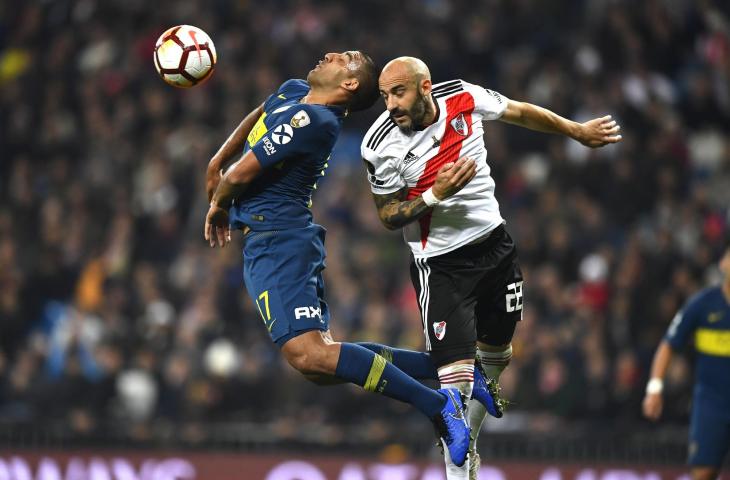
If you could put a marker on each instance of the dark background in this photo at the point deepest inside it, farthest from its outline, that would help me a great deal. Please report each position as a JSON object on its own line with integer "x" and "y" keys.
{"x": 119, "y": 326}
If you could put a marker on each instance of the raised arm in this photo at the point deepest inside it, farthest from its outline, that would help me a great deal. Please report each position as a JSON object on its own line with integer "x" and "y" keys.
{"x": 232, "y": 146}
{"x": 396, "y": 212}
{"x": 593, "y": 133}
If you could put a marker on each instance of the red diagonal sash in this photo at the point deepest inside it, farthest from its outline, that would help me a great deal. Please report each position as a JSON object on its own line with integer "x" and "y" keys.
{"x": 462, "y": 104}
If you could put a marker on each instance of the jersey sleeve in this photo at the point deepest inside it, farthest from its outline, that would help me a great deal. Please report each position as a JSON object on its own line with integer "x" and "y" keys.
{"x": 490, "y": 104}
{"x": 383, "y": 174}
{"x": 302, "y": 131}
{"x": 684, "y": 323}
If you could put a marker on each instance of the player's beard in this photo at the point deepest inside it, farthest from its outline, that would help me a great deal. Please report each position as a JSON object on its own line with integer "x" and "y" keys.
{"x": 417, "y": 113}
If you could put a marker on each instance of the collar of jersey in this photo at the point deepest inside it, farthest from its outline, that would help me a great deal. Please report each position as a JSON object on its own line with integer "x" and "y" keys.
{"x": 336, "y": 109}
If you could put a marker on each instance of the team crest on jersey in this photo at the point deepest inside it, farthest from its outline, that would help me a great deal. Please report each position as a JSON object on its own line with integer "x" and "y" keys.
{"x": 459, "y": 124}
{"x": 300, "y": 119}
{"x": 439, "y": 329}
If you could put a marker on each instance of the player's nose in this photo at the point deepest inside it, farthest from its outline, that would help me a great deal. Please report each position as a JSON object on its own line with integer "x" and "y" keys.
{"x": 329, "y": 57}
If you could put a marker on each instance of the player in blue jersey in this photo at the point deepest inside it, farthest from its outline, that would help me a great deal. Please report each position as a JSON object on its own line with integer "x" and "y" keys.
{"x": 706, "y": 320}
{"x": 286, "y": 144}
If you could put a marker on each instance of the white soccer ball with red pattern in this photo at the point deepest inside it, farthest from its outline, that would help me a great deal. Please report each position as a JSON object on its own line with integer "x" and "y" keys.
{"x": 184, "y": 56}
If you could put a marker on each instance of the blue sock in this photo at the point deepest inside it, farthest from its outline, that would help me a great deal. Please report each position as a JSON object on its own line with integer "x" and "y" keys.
{"x": 362, "y": 367}
{"x": 414, "y": 364}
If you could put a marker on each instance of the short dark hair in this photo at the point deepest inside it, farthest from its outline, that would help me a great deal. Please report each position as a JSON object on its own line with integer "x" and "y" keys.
{"x": 367, "y": 91}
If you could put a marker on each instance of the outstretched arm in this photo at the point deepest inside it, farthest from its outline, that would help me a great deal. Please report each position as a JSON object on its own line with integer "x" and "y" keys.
{"x": 652, "y": 405}
{"x": 227, "y": 151}
{"x": 593, "y": 133}
{"x": 396, "y": 212}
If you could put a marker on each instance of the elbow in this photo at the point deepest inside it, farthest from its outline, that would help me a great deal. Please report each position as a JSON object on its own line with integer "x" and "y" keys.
{"x": 214, "y": 166}
{"x": 515, "y": 113}
{"x": 390, "y": 226}
{"x": 387, "y": 224}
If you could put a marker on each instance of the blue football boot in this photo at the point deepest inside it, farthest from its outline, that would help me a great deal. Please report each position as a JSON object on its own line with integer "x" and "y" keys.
{"x": 451, "y": 426}
{"x": 486, "y": 392}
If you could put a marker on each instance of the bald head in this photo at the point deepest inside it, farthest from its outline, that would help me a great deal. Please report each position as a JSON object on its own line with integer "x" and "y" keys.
{"x": 405, "y": 85}
{"x": 405, "y": 69}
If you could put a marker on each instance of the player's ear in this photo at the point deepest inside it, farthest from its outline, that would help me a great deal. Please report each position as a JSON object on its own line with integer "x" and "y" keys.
{"x": 350, "y": 84}
{"x": 426, "y": 86}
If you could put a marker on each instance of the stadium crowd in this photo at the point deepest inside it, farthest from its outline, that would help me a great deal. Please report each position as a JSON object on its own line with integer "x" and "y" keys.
{"x": 116, "y": 317}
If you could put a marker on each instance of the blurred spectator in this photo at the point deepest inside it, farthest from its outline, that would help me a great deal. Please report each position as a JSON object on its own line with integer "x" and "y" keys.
{"x": 115, "y": 316}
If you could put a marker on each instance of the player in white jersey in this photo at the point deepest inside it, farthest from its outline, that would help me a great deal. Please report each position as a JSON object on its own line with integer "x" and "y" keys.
{"x": 427, "y": 167}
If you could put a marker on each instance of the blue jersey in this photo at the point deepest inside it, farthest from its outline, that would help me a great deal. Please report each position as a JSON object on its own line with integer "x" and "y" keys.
{"x": 293, "y": 142}
{"x": 706, "y": 320}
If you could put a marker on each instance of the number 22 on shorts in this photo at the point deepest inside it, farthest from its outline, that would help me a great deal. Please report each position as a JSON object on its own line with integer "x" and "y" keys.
{"x": 513, "y": 297}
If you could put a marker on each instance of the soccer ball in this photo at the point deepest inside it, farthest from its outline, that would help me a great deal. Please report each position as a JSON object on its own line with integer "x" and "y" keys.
{"x": 184, "y": 56}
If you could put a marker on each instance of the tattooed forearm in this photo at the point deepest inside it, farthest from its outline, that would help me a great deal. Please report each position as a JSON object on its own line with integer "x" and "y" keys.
{"x": 396, "y": 212}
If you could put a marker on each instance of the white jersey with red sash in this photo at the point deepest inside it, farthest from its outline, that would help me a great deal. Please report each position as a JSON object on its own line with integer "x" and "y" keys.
{"x": 396, "y": 160}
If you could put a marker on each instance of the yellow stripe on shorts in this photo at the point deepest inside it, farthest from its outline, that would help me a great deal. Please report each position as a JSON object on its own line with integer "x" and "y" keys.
{"x": 376, "y": 371}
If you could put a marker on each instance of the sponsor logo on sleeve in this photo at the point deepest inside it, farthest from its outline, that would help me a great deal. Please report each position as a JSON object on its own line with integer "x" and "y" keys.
{"x": 300, "y": 119}
{"x": 269, "y": 147}
{"x": 376, "y": 183}
{"x": 282, "y": 134}
{"x": 371, "y": 174}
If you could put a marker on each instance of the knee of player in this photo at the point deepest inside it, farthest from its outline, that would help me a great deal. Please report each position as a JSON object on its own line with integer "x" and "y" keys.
{"x": 300, "y": 361}
{"x": 307, "y": 362}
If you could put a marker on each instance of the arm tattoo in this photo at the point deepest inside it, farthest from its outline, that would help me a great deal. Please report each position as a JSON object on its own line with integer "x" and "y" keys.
{"x": 396, "y": 212}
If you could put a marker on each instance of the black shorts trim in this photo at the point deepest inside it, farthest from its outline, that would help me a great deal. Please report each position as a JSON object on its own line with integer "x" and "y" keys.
{"x": 472, "y": 293}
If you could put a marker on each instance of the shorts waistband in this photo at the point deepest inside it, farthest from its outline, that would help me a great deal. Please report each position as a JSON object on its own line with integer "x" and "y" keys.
{"x": 477, "y": 246}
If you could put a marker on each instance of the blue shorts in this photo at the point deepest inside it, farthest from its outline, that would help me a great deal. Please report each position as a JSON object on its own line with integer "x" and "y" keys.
{"x": 282, "y": 270}
{"x": 709, "y": 432}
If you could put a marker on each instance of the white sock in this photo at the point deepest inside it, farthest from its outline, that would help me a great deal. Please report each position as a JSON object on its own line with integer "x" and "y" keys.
{"x": 476, "y": 413}
{"x": 460, "y": 376}
{"x": 493, "y": 363}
